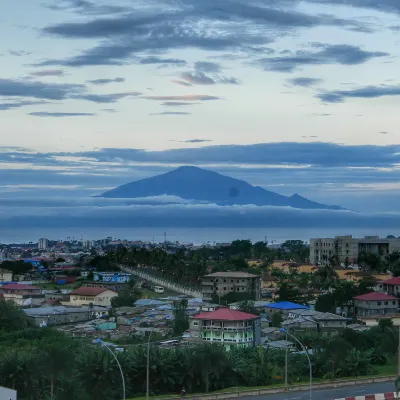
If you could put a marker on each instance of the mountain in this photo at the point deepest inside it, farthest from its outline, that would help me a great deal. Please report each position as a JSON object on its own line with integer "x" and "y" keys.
{"x": 193, "y": 183}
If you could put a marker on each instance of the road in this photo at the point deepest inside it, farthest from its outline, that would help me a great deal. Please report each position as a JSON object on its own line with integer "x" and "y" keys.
{"x": 329, "y": 394}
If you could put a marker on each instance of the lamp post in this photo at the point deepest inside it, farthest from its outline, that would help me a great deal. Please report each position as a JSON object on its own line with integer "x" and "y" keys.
{"x": 308, "y": 357}
{"x": 119, "y": 366}
{"x": 148, "y": 365}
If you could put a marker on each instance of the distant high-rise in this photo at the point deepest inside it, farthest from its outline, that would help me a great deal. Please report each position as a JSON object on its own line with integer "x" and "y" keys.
{"x": 43, "y": 244}
{"x": 87, "y": 244}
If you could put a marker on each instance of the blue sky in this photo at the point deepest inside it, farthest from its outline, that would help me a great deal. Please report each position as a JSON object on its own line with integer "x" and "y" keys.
{"x": 295, "y": 96}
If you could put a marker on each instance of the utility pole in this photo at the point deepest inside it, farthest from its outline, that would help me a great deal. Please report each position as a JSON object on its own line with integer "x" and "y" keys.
{"x": 286, "y": 365}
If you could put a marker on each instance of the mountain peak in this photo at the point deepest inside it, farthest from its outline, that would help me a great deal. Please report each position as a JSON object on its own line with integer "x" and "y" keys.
{"x": 197, "y": 184}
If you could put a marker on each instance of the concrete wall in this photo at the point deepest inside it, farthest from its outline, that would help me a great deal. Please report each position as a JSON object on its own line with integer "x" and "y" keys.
{"x": 163, "y": 282}
{"x": 7, "y": 394}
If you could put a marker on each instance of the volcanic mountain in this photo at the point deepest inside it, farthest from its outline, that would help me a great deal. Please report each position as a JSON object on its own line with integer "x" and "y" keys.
{"x": 204, "y": 186}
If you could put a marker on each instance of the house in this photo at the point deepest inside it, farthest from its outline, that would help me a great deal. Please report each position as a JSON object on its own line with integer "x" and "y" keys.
{"x": 5, "y": 275}
{"x": 283, "y": 306}
{"x": 311, "y": 319}
{"x": 221, "y": 283}
{"x": 392, "y": 286}
{"x": 228, "y": 327}
{"x": 59, "y": 315}
{"x": 84, "y": 296}
{"x": 13, "y": 288}
{"x": 375, "y": 304}
{"x": 22, "y": 295}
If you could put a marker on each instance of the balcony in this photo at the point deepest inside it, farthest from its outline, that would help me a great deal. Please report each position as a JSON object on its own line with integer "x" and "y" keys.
{"x": 207, "y": 283}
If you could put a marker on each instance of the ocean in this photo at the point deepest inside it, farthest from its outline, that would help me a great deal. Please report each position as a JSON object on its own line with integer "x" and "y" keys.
{"x": 196, "y": 235}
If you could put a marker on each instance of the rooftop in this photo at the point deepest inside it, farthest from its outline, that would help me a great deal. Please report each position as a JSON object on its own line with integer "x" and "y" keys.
{"x": 233, "y": 274}
{"x": 44, "y": 311}
{"x": 4, "y": 271}
{"x": 317, "y": 315}
{"x": 392, "y": 281}
{"x": 375, "y": 296}
{"x": 19, "y": 286}
{"x": 89, "y": 291}
{"x": 287, "y": 305}
{"x": 226, "y": 314}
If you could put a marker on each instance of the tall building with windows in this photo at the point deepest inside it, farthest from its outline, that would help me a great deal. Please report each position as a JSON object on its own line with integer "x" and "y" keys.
{"x": 228, "y": 327}
{"x": 346, "y": 249}
{"x": 221, "y": 283}
{"x": 43, "y": 244}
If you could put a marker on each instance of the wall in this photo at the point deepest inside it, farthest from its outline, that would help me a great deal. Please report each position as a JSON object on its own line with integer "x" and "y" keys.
{"x": 7, "y": 394}
{"x": 162, "y": 282}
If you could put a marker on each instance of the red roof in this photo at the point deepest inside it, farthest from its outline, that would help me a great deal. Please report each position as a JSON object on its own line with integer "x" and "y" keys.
{"x": 375, "y": 296}
{"x": 19, "y": 286}
{"x": 226, "y": 314}
{"x": 89, "y": 291}
{"x": 392, "y": 281}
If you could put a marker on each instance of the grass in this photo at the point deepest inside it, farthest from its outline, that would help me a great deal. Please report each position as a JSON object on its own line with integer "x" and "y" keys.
{"x": 51, "y": 286}
{"x": 381, "y": 370}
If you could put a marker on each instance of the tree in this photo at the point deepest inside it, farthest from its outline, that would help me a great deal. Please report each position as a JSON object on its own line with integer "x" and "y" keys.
{"x": 12, "y": 317}
{"x": 277, "y": 319}
{"x": 247, "y": 306}
{"x": 287, "y": 292}
{"x": 127, "y": 296}
{"x": 181, "y": 321}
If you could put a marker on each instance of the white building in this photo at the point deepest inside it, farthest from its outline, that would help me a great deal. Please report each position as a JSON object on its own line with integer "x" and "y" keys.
{"x": 43, "y": 244}
{"x": 87, "y": 244}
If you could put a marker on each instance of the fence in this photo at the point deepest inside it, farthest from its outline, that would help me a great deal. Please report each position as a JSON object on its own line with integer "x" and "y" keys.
{"x": 183, "y": 289}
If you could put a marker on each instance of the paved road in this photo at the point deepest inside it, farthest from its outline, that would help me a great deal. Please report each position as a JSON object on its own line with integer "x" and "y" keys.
{"x": 330, "y": 394}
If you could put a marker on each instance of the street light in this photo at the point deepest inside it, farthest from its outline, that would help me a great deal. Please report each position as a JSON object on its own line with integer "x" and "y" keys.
{"x": 148, "y": 365}
{"x": 308, "y": 357}
{"x": 119, "y": 365}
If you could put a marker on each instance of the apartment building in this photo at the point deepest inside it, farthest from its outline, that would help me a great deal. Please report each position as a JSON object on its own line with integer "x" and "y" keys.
{"x": 43, "y": 244}
{"x": 96, "y": 296}
{"x": 228, "y": 327}
{"x": 375, "y": 304}
{"x": 347, "y": 248}
{"x": 221, "y": 283}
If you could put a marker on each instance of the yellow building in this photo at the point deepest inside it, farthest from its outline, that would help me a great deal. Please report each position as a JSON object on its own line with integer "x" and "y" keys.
{"x": 5, "y": 275}
{"x": 286, "y": 266}
{"x": 97, "y": 296}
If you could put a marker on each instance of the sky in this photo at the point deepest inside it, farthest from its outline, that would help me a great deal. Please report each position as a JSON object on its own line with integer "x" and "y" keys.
{"x": 294, "y": 96}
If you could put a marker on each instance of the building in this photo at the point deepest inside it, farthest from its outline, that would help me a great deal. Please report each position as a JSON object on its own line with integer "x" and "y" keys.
{"x": 85, "y": 296}
{"x": 5, "y": 275}
{"x": 22, "y": 295}
{"x": 117, "y": 277}
{"x": 220, "y": 284}
{"x": 391, "y": 286}
{"x": 347, "y": 249}
{"x": 311, "y": 319}
{"x": 228, "y": 327}
{"x": 375, "y": 304}
{"x": 285, "y": 307}
{"x": 46, "y": 316}
{"x": 43, "y": 244}
{"x": 87, "y": 244}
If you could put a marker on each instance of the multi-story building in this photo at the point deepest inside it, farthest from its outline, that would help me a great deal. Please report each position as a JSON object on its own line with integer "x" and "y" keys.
{"x": 221, "y": 283}
{"x": 391, "y": 286}
{"x": 43, "y": 244}
{"x": 347, "y": 249}
{"x": 228, "y": 327}
{"x": 96, "y": 296}
{"x": 5, "y": 275}
{"x": 375, "y": 304}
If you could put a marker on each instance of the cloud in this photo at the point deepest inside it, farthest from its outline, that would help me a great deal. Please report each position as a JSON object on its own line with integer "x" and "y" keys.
{"x": 60, "y": 114}
{"x": 177, "y": 103}
{"x": 197, "y": 78}
{"x": 105, "y": 81}
{"x": 182, "y": 83}
{"x": 206, "y": 66}
{"x": 230, "y": 25}
{"x": 18, "y": 104}
{"x": 319, "y": 115}
{"x": 391, "y": 6}
{"x": 86, "y": 7}
{"x": 157, "y": 60}
{"x": 19, "y": 53}
{"x": 171, "y": 113}
{"x": 184, "y": 97}
{"x": 105, "y": 98}
{"x": 109, "y": 110}
{"x": 197, "y": 141}
{"x": 368, "y": 92}
{"x": 304, "y": 82}
{"x": 39, "y": 90}
{"x": 343, "y": 54}
{"x": 48, "y": 72}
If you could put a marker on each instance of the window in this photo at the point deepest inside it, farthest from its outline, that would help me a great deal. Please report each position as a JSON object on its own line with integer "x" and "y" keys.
{"x": 386, "y": 303}
{"x": 378, "y": 303}
{"x": 237, "y": 289}
{"x": 224, "y": 288}
{"x": 195, "y": 323}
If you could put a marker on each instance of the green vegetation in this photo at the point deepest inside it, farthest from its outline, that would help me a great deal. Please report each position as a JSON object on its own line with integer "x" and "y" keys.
{"x": 42, "y": 363}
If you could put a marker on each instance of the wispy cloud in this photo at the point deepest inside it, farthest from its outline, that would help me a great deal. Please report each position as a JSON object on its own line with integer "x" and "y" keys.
{"x": 177, "y": 103}
{"x": 18, "y": 104}
{"x": 171, "y": 113}
{"x": 368, "y": 92}
{"x": 325, "y": 54}
{"x": 180, "y": 82}
{"x": 46, "y": 114}
{"x": 159, "y": 60}
{"x": 184, "y": 97}
{"x": 105, "y": 81}
{"x": 48, "y": 72}
{"x": 304, "y": 82}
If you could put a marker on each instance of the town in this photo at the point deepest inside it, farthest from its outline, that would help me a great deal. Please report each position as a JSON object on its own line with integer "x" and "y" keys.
{"x": 335, "y": 299}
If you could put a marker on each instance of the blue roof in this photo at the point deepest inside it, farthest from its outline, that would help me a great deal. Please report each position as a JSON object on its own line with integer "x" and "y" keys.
{"x": 149, "y": 302}
{"x": 287, "y": 305}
